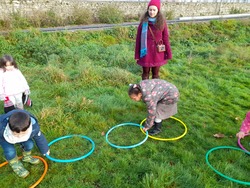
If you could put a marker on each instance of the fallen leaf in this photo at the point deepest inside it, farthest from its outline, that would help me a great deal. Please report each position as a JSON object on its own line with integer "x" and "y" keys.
{"x": 219, "y": 135}
{"x": 171, "y": 163}
{"x": 237, "y": 118}
{"x": 103, "y": 133}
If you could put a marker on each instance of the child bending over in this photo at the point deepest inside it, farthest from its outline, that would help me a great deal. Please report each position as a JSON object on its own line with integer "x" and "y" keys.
{"x": 161, "y": 98}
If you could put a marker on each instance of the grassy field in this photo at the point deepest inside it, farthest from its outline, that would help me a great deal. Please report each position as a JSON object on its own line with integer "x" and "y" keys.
{"x": 79, "y": 83}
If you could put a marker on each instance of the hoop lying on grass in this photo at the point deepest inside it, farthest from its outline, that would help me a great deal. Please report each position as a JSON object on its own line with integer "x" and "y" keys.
{"x": 216, "y": 171}
{"x": 167, "y": 139}
{"x": 74, "y": 159}
{"x": 44, "y": 172}
{"x": 240, "y": 145}
{"x": 125, "y": 147}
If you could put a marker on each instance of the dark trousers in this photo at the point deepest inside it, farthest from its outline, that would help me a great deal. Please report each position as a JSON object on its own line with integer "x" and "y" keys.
{"x": 9, "y": 108}
{"x": 146, "y": 72}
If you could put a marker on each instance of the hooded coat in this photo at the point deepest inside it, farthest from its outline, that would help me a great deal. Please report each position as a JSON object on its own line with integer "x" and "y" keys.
{"x": 153, "y": 58}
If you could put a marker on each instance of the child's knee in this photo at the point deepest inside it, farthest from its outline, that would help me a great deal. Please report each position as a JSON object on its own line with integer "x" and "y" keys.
{"x": 10, "y": 154}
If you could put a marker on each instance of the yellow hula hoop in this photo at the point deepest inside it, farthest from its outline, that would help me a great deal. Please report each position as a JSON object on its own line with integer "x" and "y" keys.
{"x": 44, "y": 172}
{"x": 167, "y": 139}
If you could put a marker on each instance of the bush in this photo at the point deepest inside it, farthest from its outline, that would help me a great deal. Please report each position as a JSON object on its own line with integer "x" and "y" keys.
{"x": 170, "y": 15}
{"x": 80, "y": 16}
{"x": 50, "y": 19}
{"x": 15, "y": 20}
{"x": 234, "y": 10}
{"x": 109, "y": 15}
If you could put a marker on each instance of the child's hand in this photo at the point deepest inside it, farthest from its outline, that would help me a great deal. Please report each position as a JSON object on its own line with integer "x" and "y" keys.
{"x": 27, "y": 92}
{"x": 145, "y": 129}
{"x": 240, "y": 134}
{"x": 48, "y": 152}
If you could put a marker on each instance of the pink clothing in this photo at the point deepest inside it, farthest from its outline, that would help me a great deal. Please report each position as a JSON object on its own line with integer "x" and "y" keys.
{"x": 156, "y": 3}
{"x": 12, "y": 82}
{"x": 245, "y": 126}
{"x": 153, "y": 58}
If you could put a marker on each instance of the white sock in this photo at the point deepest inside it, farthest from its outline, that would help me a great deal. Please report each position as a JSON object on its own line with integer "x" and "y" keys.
{"x": 157, "y": 120}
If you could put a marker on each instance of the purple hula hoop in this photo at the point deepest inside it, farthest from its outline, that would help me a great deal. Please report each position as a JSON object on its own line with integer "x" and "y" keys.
{"x": 240, "y": 145}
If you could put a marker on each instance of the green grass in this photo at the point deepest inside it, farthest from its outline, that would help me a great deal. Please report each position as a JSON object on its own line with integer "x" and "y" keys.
{"x": 79, "y": 85}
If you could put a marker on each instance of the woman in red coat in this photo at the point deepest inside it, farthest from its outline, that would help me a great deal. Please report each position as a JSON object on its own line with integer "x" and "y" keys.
{"x": 152, "y": 29}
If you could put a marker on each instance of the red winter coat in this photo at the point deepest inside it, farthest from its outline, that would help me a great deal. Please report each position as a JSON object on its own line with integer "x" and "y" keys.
{"x": 153, "y": 58}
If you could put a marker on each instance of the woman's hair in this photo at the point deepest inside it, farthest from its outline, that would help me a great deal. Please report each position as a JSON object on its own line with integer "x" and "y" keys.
{"x": 19, "y": 122}
{"x": 134, "y": 89}
{"x": 160, "y": 20}
{"x": 5, "y": 59}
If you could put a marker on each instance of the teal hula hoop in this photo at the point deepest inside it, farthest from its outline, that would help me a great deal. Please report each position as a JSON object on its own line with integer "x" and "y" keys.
{"x": 125, "y": 147}
{"x": 74, "y": 159}
{"x": 216, "y": 171}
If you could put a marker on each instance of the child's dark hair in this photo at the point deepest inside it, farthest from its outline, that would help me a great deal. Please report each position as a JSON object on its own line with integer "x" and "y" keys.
{"x": 19, "y": 122}
{"x": 5, "y": 59}
{"x": 134, "y": 89}
{"x": 160, "y": 20}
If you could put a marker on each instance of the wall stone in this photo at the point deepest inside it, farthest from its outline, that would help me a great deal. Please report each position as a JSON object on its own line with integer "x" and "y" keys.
{"x": 132, "y": 9}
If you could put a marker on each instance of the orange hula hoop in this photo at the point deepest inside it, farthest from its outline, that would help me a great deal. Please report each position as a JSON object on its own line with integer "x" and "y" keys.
{"x": 44, "y": 172}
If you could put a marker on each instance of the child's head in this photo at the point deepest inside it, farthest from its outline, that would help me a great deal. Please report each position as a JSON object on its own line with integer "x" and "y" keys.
{"x": 19, "y": 122}
{"x": 7, "y": 62}
{"x": 153, "y": 8}
{"x": 135, "y": 92}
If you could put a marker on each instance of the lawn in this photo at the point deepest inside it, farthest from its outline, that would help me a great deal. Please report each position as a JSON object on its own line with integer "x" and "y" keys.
{"x": 79, "y": 82}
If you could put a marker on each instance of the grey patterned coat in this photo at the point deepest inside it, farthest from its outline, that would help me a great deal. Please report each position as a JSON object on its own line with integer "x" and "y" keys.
{"x": 161, "y": 99}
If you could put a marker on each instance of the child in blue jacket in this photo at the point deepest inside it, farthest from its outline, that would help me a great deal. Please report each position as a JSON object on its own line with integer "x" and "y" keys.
{"x": 20, "y": 127}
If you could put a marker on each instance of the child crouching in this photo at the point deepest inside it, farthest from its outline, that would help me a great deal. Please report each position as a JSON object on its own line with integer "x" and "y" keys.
{"x": 20, "y": 127}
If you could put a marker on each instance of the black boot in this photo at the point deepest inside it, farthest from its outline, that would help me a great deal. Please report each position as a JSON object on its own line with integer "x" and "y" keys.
{"x": 156, "y": 129}
{"x": 151, "y": 129}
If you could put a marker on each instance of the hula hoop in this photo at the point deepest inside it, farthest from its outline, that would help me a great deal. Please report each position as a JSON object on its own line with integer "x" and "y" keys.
{"x": 167, "y": 139}
{"x": 74, "y": 159}
{"x": 125, "y": 147}
{"x": 44, "y": 172}
{"x": 216, "y": 171}
{"x": 241, "y": 144}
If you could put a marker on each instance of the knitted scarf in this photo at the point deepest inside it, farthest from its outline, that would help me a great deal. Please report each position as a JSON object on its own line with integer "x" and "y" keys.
{"x": 144, "y": 31}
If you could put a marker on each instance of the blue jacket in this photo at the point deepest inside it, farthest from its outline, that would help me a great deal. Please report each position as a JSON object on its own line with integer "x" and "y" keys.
{"x": 36, "y": 134}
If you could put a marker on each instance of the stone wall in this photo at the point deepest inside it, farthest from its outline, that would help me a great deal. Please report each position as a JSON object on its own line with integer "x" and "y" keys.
{"x": 133, "y": 9}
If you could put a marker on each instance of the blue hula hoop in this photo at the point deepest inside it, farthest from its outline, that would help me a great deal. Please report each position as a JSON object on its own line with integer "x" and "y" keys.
{"x": 74, "y": 159}
{"x": 125, "y": 147}
{"x": 227, "y": 177}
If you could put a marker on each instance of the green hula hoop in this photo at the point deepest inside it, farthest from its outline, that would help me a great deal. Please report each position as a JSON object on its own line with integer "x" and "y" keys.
{"x": 216, "y": 171}
{"x": 167, "y": 139}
